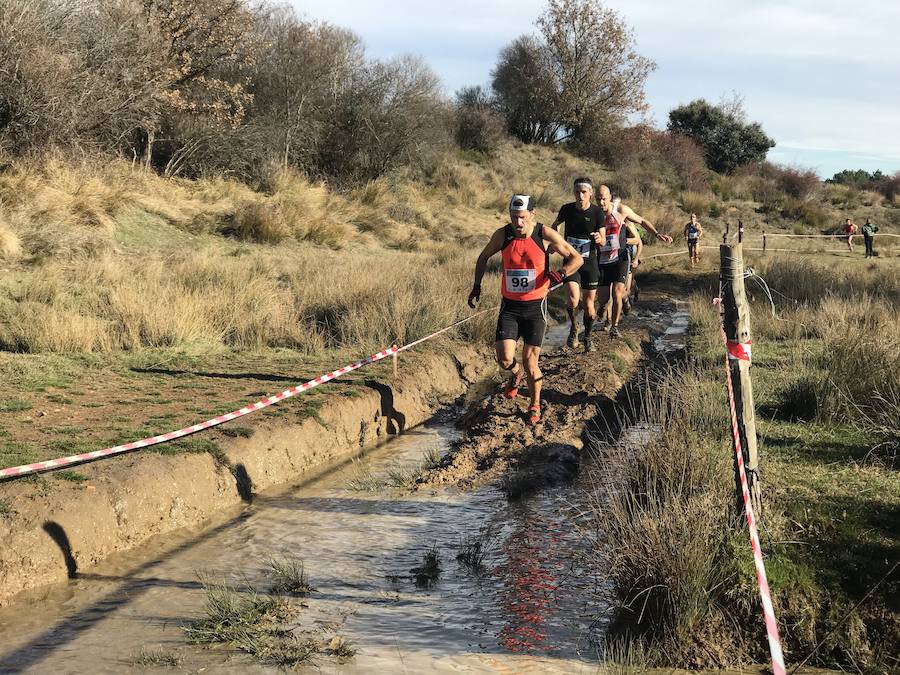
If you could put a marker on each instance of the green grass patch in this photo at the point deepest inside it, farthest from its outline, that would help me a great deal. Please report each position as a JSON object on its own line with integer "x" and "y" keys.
{"x": 289, "y": 576}
{"x": 155, "y": 658}
{"x": 59, "y": 398}
{"x": 618, "y": 363}
{"x": 15, "y": 453}
{"x": 5, "y": 508}
{"x": 70, "y": 476}
{"x": 14, "y": 405}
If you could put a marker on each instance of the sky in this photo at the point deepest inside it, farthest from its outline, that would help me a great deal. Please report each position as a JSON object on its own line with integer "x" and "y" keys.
{"x": 821, "y": 77}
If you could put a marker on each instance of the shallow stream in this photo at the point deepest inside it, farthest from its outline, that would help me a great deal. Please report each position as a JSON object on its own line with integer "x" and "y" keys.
{"x": 531, "y": 608}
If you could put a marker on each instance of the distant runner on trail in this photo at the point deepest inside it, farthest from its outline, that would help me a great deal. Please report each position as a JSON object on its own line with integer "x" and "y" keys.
{"x": 692, "y": 232}
{"x": 868, "y": 232}
{"x": 850, "y": 229}
{"x": 525, "y": 247}
{"x": 581, "y": 220}
{"x": 612, "y": 252}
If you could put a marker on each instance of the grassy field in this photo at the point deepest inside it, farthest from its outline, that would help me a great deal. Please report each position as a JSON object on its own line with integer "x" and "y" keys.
{"x": 132, "y": 305}
{"x": 827, "y": 391}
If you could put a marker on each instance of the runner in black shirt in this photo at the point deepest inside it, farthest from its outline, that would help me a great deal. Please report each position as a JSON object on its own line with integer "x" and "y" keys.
{"x": 581, "y": 218}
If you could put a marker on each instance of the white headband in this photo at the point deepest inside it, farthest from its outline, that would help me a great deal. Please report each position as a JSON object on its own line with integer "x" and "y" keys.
{"x": 520, "y": 203}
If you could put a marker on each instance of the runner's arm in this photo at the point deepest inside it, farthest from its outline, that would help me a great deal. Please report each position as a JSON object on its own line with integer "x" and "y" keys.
{"x": 493, "y": 247}
{"x": 634, "y": 239}
{"x": 565, "y": 249}
{"x": 629, "y": 214}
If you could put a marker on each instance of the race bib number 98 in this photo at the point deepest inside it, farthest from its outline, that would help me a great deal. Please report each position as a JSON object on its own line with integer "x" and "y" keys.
{"x": 520, "y": 281}
{"x": 583, "y": 246}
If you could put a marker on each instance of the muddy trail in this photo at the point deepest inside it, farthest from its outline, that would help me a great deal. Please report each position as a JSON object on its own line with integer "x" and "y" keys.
{"x": 477, "y": 567}
{"x": 578, "y": 405}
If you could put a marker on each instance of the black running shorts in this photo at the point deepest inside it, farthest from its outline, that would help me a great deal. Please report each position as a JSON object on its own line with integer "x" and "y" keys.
{"x": 588, "y": 276}
{"x": 617, "y": 272}
{"x": 522, "y": 318}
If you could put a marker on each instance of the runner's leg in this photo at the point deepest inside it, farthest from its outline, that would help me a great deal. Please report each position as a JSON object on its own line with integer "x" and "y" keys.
{"x": 590, "y": 315}
{"x": 530, "y": 354}
{"x": 574, "y": 290}
{"x": 618, "y": 294}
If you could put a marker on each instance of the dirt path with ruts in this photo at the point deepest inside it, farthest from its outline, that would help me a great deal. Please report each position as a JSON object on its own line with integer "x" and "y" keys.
{"x": 578, "y": 402}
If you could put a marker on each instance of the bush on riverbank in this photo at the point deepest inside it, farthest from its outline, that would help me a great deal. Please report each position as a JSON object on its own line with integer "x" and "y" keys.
{"x": 825, "y": 379}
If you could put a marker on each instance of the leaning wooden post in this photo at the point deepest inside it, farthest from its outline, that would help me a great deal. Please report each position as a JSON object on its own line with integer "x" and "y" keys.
{"x": 736, "y": 321}
{"x": 764, "y": 241}
{"x": 725, "y": 235}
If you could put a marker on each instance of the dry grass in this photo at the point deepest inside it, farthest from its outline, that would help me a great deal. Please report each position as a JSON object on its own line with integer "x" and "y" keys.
{"x": 695, "y": 202}
{"x": 668, "y": 519}
{"x": 299, "y": 298}
{"x": 10, "y": 246}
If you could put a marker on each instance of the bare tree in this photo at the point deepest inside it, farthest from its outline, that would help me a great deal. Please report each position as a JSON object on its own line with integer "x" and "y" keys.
{"x": 594, "y": 63}
{"x": 582, "y": 75}
{"x": 525, "y": 91}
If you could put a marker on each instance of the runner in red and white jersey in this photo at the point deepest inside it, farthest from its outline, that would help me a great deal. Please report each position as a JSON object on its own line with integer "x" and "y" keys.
{"x": 525, "y": 246}
{"x": 613, "y": 257}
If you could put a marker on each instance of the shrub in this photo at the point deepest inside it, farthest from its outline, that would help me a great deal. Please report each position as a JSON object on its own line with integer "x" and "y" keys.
{"x": 798, "y": 183}
{"x": 695, "y": 202}
{"x": 890, "y": 187}
{"x": 259, "y": 222}
{"x": 808, "y": 213}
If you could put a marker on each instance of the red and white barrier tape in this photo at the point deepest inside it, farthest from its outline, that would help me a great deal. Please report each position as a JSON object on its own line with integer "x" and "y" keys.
{"x": 37, "y": 467}
{"x": 761, "y": 579}
{"x": 740, "y": 351}
{"x": 842, "y": 235}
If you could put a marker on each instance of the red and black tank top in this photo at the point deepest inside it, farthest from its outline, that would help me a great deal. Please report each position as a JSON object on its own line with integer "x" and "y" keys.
{"x": 525, "y": 266}
{"x": 609, "y": 251}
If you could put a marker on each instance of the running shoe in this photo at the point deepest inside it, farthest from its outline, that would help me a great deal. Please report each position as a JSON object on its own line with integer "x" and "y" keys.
{"x": 572, "y": 341}
{"x": 604, "y": 325}
{"x": 534, "y": 414}
{"x": 512, "y": 387}
{"x": 614, "y": 331}
{"x": 588, "y": 346}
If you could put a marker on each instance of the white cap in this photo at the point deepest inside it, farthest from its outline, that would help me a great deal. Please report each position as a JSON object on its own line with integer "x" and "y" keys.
{"x": 521, "y": 203}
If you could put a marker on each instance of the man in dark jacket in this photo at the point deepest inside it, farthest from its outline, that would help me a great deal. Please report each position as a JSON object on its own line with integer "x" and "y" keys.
{"x": 868, "y": 232}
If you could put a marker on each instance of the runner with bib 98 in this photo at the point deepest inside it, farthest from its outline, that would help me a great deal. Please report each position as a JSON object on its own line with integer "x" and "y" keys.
{"x": 525, "y": 246}
{"x": 612, "y": 253}
{"x": 581, "y": 219}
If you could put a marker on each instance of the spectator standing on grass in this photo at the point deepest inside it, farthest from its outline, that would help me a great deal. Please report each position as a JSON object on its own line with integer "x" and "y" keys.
{"x": 850, "y": 229}
{"x": 692, "y": 232}
{"x": 868, "y": 233}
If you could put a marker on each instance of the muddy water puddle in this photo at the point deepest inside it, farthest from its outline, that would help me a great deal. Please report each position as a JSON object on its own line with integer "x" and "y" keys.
{"x": 529, "y": 608}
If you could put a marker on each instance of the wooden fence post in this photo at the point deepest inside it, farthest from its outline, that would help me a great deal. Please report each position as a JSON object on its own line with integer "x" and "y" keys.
{"x": 394, "y": 359}
{"x": 725, "y": 235}
{"x": 764, "y": 241}
{"x": 740, "y": 231}
{"x": 736, "y": 321}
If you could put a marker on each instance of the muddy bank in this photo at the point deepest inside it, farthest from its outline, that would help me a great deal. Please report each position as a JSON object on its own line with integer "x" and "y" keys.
{"x": 53, "y": 530}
